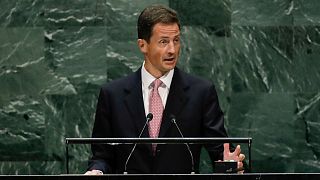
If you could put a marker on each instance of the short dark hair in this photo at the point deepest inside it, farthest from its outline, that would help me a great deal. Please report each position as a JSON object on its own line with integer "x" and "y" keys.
{"x": 152, "y": 15}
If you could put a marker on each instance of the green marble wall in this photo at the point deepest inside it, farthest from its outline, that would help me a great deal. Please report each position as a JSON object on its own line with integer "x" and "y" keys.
{"x": 262, "y": 55}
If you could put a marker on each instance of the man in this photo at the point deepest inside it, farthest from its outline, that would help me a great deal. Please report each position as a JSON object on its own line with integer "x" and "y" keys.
{"x": 160, "y": 88}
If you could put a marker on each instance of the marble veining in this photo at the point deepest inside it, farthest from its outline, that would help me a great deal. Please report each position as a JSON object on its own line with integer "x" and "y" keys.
{"x": 262, "y": 56}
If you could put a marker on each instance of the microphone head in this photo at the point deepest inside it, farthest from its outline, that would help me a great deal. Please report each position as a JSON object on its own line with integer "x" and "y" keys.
{"x": 173, "y": 118}
{"x": 149, "y": 116}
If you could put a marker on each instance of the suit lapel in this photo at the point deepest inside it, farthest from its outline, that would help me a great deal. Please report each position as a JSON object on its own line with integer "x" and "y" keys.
{"x": 134, "y": 102}
{"x": 176, "y": 101}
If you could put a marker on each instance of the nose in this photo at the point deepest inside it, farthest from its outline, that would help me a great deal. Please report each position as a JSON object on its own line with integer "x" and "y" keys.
{"x": 171, "y": 48}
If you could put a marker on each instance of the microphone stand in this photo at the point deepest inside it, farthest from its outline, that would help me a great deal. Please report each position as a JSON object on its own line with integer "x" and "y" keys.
{"x": 149, "y": 118}
{"x": 173, "y": 120}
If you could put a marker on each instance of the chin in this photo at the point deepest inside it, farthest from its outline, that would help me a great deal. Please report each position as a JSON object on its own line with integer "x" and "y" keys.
{"x": 170, "y": 65}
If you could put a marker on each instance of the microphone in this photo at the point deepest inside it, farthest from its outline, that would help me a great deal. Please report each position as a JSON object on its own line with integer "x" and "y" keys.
{"x": 149, "y": 118}
{"x": 173, "y": 120}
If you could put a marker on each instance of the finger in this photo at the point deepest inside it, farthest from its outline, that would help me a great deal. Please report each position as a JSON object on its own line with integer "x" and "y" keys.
{"x": 226, "y": 147}
{"x": 97, "y": 172}
{"x": 240, "y": 165}
{"x": 240, "y": 168}
{"x": 88, "y": 173}
{"x": 242, "y": 157}
{"x": 93, "y": 172}
{"x": 237, "y": 150}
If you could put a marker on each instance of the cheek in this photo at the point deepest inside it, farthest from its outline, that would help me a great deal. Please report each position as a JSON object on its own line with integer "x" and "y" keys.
{"x": 177, "y": 48}
{"x": 152, "y": 52}
{"x": 157, "y": 54}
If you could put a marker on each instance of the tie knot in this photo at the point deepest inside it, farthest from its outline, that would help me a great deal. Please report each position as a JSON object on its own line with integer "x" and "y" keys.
{"x": 157, "y": 83}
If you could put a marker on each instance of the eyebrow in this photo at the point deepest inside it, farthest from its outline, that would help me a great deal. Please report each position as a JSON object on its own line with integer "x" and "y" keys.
{"x": 169, "y": 37}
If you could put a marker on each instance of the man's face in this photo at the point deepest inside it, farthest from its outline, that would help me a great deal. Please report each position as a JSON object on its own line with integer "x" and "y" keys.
{"x": 162, "y": 51}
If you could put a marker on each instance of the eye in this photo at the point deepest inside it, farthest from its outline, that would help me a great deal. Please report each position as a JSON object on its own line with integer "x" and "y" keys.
{"x": 163, "y": 41}
{"x": 177, "y": 40}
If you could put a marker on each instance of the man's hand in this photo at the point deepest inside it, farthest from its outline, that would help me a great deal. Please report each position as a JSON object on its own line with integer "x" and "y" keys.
{"x": 94, "y": 172}
{"x": 234, "y": 156}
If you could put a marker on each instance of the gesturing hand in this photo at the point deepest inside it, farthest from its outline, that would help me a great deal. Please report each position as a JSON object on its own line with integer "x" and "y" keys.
{"x": 233, "y": 156}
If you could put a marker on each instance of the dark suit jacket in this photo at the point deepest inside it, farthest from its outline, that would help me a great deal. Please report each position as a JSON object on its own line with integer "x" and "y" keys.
{"x": 120, "y": 113}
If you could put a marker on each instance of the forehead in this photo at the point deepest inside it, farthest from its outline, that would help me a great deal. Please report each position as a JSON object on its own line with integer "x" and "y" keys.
{"x": 166, "y": 30}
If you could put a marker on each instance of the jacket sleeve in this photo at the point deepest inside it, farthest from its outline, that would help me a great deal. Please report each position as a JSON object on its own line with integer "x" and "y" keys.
{"x": 102, "y": 154}
{"x": 213, "y": 123}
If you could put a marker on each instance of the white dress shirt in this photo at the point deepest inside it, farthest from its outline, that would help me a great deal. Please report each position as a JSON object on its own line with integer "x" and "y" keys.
{"x": 164, "y": 88}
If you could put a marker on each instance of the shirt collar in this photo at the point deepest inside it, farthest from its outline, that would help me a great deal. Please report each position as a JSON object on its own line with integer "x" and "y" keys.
{"x": 147, "y": 78}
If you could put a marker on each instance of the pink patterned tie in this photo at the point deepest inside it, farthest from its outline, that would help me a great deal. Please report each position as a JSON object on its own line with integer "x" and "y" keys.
{"x": 156, "y": 108}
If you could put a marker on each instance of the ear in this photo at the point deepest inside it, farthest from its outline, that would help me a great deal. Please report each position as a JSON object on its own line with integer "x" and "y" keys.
{"x": 143, "y": 45}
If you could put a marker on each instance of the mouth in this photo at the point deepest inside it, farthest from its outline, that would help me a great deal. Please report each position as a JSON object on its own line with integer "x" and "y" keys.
{"x": 169, "y": 59}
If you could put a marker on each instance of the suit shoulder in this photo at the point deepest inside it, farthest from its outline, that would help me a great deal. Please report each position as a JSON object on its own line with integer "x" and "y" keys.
{"x": 196, "y": 80}
{"x": 120, "y": 83}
